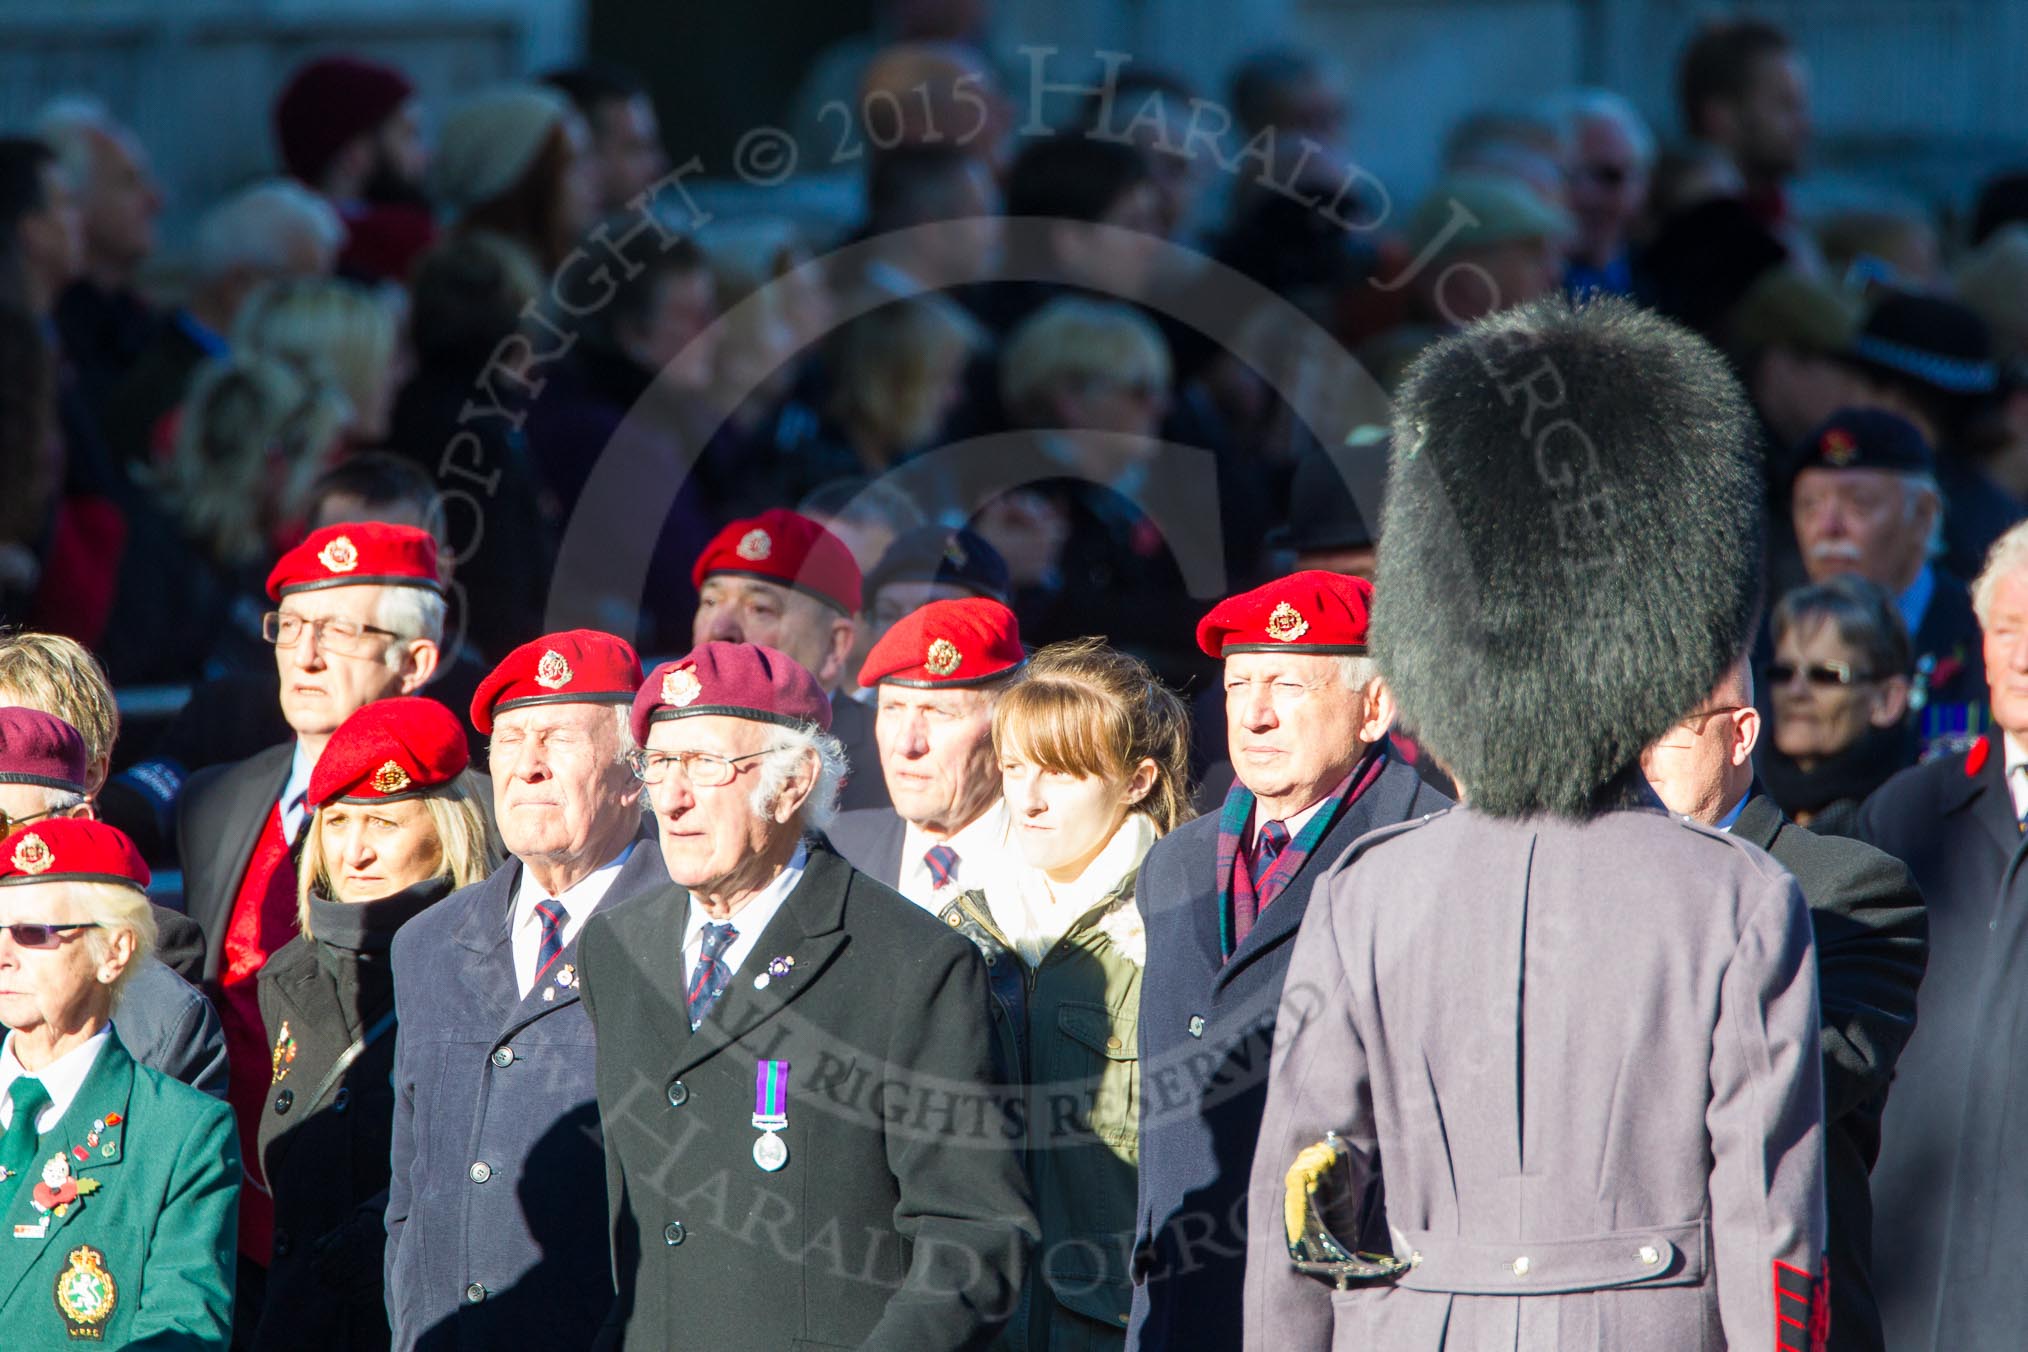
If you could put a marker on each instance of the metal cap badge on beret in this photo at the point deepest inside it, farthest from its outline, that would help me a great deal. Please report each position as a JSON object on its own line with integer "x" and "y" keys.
{"x": 71, "y": 850}
{"x": 1307, "y": 612}
{"x": 951, "y": 556}
{"x": 389, "y": 750}
{"x": 1865, "y": 438}
{"x": 945, "y": 644}
{"x": 577, "y": 666}
{"x": 789, "y": 550}
{"x": 42, "y": 749}
{"x": 355, "y": 554}
{"x": 736, "y": 680}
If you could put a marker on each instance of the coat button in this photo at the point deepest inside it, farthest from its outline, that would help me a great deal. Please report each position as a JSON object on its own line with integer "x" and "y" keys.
{"x": 679, "y": 1093}
{"x": 1649, "y": 1255}
{"x": 281, "y": 1244}
{"x": 503, "y": 1056}
{"x": 285, "y": 1100}
{"x": 475, "y": 1293}
{"x": 954, "y": 919}
{"x": 1112, "y": 1044}
{"x": 672, "y": 1233}
{"x": 341, "y": 1100}
{"x": 480, "y": 1171}
{"x": 1196, "y": 1025}
{"x": 1521, "y": 1266}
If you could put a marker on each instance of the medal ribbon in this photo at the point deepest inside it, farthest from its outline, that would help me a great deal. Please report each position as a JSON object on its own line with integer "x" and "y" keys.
{"x": 770, "y": 1094}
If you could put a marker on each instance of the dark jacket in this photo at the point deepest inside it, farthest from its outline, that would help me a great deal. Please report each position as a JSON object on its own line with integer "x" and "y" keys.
{"x": 1947, "y": 1187}
{"x": 218, "y": 821}
{"x": 852, "y": 725}
{"x": 1207, "y": 1028}
{"x": 324, "y": 1137}
{"x": 495, "y": 1213}
{"x": 1872, "y": 939}
{"x": 871, "y": 840}
{"x": 1950, "y": 661}
{"x": 169, "y": 1026}
{"x": 155, "y": 383}
{"x": 884, "y": 1230}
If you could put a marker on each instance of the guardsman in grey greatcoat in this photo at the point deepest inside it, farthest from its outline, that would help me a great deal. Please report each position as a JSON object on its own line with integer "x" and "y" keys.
{"x": 1547, "y": 1072}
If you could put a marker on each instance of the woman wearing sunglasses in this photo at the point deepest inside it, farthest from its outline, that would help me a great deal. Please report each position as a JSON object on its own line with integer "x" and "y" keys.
{"x": 120, "y": 1186}
{"x": 396, "y": 826}
{"x": 1839, "y": 692}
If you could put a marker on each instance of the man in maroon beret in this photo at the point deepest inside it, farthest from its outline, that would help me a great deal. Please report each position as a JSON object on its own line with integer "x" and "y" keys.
{"x": 1306, "y": 723}
{"x": 493, "y": 1072}
{"x": 165, "y": 1022}
{"x": 359, "y": 616}
{"x": 783, "y": 580}
{"x": 776, "y": 976}
{"x": 936, "y": 674}
{"x": 351, "y": 129}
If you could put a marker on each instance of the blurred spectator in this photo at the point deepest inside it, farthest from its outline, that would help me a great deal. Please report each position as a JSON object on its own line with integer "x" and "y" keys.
{"x": 626, "y": 138}
{"x": 1611, "y": 153}
{"x": 1865, "y": 501}
{"x": 932, "y": 93}
{"x": 41, "y": 227}
{"x": 337, "y": 331}
{"x": 1930, "y": 360}
{"x": 869, "y": 515}
{"x": 1530, "y": 147}
{"x": 2003, "y": 201}
{"x": 351, "y": 130}
{"x": 470, "y": 293}
{"x": 774, "y": 304}
{"x": 1881, "y": 248}
{"x": 101, "y": 319}
{"x": 1786, "y": 337}
{"x": 1701, "y": 260}
{"x": 1993, "y": 280}
{"x": 1741, "y": 88}
{"x": 30, "y": 457}
{"x": 931, "y": 563}
{"x": 515, "y": 161}
{"x": 1481, "y": 243}
{"x": 272, "y": 230}
{"x": 1686, "y": 175}
{"x": 838, "y": 75}
{"x": 1325, "y": 528}
{"x": 1293, "y": 103}
{"x": 1150, "y": 108}
{"x": 929, "y": 185}
{"x": 1838, "y": 688}
{"x": 896, "y": 373}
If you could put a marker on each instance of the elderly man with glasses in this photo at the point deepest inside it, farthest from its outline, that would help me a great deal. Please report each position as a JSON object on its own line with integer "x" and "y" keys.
{"x": 495, "y": 1216}
{"x": 872, "y": 1196}
{"x": 359, "y": 617}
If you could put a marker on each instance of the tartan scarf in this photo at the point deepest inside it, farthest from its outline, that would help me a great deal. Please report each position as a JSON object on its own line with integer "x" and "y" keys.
{"x": 1238, "y": 895}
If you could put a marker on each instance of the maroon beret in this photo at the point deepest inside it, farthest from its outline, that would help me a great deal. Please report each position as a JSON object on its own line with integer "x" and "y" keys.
{"x": 40, "y": 748}
{"x": 788, "y": 549}
{"x": 389, "y": 750}
{"x": 739, "y": 680}
{"x": 71, "y": 850}
{"x": 1308, "y": 612}
{"x": 356, "y": 554}
{"x": 946, "y": 644}
{"x": 577, "y": 666}
{"x": 328, "y": 103}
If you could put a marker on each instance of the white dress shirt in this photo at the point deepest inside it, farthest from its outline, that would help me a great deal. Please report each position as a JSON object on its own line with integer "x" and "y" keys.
{"x": 2017, "y": 773}
{"x": 982, "y": 850}
{"x": 578, "y": 904}
{"x": 1294, "y": 824}
{"x": 295, "y": 794}
{"x": 749, "y": 921}
{"x": 62, "y": 1078}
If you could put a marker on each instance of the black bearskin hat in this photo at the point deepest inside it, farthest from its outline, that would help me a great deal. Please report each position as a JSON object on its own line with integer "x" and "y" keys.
{"x": 1571, "y": 549}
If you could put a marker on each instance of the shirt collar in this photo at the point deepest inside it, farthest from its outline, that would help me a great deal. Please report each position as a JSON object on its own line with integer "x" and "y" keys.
{"x": 63, "y": 1077}
{"x": 295, "y": 792}
{"x": 1727, "y": 822}
{"x": 984, "y": 835}
{"x": 753, "y": 917}
{"x": 585, "y": 894}
{"x": 1914, "y": 602}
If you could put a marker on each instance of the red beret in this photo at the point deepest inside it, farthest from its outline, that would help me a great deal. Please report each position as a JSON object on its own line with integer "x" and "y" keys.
{"x": 740, "y": 680}
{"x": 71, "y": 850}
{"x": 947, "y": 643}
{"x": 329, "y": 102}
{"x": 389, "y": 750}
{"x": 1308, "y": 612}
{"x": 578, "y": 666}
{"x": 358, "y": 553}
{"x": 788, "y": 549}
{"x": 40, "y": 748}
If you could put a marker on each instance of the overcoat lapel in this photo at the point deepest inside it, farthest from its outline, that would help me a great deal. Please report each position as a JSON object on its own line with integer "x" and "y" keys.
{"x": 103, "y": 1097}
{"x": 1985, "y": 796}
{"x": 488, "y": 974}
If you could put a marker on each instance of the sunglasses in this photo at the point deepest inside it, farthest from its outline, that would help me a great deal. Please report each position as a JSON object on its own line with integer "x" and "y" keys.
{"x": 1825, "y": 674}
{"x": 44, "y": 936}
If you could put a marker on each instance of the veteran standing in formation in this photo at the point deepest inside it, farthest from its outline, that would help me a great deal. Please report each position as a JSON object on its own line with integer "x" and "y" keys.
{"x": 802, "y": 1135}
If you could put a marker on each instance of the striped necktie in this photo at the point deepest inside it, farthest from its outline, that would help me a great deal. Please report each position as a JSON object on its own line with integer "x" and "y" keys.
{"x": 551, "y": 914}
{"x": 1274, "y": 837}
{"x": 943, "y": 864}
{"x": 712, "y": 975}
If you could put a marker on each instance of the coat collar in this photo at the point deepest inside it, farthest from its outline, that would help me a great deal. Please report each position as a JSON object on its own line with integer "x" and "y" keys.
{"x": 1983, "y": 792}
{"x": 256, "y": 788}
{"x": 1760, "y": 819}
{"x": 91, "y": 1134}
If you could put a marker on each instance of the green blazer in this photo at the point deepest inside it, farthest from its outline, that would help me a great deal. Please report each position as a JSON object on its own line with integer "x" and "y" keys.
{"x": 152, "y": 1230}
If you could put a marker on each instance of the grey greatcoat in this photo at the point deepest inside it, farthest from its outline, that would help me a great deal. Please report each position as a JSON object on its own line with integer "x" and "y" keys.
{"x": 496, "y": 1215}
{"x": 1581, "y": 1060}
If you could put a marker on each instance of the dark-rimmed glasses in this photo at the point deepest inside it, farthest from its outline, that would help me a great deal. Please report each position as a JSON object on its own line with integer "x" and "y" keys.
{"x": 346, "y": 637}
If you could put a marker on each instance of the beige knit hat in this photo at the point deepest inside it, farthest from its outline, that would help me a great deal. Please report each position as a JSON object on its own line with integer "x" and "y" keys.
{"x": 490, "y": 140}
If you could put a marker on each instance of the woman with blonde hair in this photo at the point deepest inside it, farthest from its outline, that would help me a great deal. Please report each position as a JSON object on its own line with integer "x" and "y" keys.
{"x": 1094, "y": 760}
{"x": 395, "y": 827}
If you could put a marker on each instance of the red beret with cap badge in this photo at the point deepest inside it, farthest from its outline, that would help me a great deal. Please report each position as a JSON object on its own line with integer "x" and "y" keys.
{"x": 1308, "y": 612}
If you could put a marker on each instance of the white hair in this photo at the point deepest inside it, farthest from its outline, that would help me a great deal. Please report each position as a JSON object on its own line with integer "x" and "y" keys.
{"x": 790, "y": 753}
{"x": 56, "y": 802}
{"x": 1579, "y": 106}
{"x": 1357, "y": 672}
{"x": 411, "y": 612}
{"x": 67, "y": 125}
{"x": 254, "y": 228}
{"x": 2009, "y": 554}
{"x": 114, "y": 907}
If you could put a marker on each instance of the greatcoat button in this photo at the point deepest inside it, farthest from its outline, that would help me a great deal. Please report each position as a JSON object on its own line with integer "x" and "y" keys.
{"x": 679, "y": 1093}
{"x": 503, "y": 1057}
{"x": 1521, "y": 1266}
{"x": 281, "y": 1244}
{"x": 1196, "y": 1025}
{"x": 285, "y": 1100}
{"x": 672, "y": 1233}
{"x": 1112, "y": 1044}
{"x": 480, "y": 1171}
{"x": 341, "y": 1100}
{"x": 954, "y": 919}
{"x": 475, "y": 1293}
{"x": 1649, "y": 1255}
